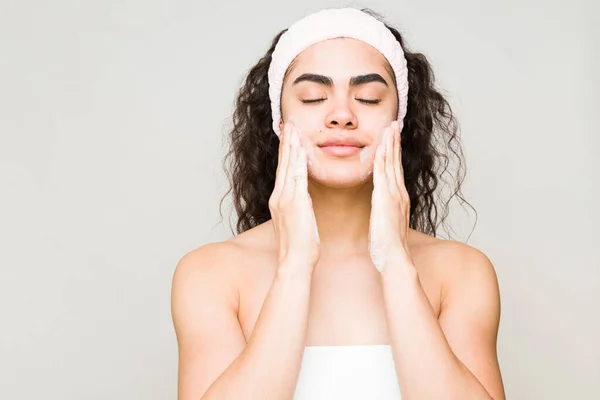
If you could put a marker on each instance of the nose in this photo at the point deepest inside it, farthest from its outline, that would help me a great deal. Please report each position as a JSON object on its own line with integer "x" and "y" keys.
{"x": 341, "y": 117}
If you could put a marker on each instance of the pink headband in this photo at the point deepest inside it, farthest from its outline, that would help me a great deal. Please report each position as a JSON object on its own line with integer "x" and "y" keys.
{"x": 329, "y": 24}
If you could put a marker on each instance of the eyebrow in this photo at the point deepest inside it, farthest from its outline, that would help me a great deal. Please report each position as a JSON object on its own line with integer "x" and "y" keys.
{"x": 327, "y": 81}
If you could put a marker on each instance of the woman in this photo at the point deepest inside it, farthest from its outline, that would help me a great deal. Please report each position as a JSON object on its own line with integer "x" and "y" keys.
{"x": 336, "y": 285}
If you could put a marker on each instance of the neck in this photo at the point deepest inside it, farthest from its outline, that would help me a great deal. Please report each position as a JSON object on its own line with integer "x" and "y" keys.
{"x": 342, "y": 216}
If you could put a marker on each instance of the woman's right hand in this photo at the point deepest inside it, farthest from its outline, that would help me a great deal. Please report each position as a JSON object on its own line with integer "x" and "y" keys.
{"x": 291, "y": 206}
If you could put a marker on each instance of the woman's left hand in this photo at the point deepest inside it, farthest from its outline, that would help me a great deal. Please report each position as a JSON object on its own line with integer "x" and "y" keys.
{"x": 390, "y": 203}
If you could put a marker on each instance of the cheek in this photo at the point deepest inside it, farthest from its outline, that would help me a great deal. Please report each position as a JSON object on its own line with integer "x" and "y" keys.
{"x": 309, "y": 130}
{"x": 376, "y": 130}
{"x": 308, "y": 138}
{"x": 384, "y": 122}
{"x": 367, "y": 155}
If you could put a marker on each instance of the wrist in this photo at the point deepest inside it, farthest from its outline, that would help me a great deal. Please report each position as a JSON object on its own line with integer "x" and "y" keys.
{"x": 295, "y": 269}
{"x": 399, "y": 271}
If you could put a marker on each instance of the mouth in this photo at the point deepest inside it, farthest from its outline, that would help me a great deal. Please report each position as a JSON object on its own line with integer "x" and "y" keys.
{"x": 342, "y": 146}
{"x": 341, "y": 150}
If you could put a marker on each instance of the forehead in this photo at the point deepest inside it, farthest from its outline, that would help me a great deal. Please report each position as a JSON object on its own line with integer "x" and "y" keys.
{"x": 340, "y": 58}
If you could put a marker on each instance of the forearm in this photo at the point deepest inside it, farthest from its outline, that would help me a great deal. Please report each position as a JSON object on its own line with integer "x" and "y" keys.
{"x": 425, "y": 364}
{"x": 269, "y": 365}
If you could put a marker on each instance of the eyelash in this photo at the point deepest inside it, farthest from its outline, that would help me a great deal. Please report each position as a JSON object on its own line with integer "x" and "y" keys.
{"x": 372, "y": 102}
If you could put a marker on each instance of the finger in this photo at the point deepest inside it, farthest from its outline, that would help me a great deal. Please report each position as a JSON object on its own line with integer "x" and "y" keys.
{"x": 300, "y": 176}
{"x": 284, "y": 154}
{"x": 379, "y": 179}
{"x": 288, "y": 187}
{"x": 397, "y": 177}
{"x": 389, "y": 159}
{"x": 399, "y": 170}
{"x": 304, "y": 143}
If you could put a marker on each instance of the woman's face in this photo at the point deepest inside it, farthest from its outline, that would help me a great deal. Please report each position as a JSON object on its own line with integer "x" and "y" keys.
{"x": 341, "y": 90}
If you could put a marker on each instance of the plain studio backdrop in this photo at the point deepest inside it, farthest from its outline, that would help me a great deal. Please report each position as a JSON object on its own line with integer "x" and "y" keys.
{"x": 112, "y": 122}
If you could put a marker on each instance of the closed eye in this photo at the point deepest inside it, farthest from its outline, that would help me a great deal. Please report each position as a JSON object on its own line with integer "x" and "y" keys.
{"x": 312, "y": 100}
{"x": 365, "y": 101}
{"x": 377, "y": 101}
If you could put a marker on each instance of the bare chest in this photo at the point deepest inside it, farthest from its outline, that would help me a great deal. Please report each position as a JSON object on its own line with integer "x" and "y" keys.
{"x": 346, "y": 300}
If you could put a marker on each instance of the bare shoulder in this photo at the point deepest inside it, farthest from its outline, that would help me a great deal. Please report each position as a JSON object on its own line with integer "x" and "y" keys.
{"x": 205, "y": 304}
{"x": 455, "y": 264}
{"x": 220, "y": 264}
{"x": 469, "y": 308}
{"x": 206, "y": 267}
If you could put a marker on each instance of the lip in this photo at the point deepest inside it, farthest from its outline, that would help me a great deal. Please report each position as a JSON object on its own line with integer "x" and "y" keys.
{"x": 341, "y": 146}
{"x": 342, "y": 141}
{"x": 341, "y": 151}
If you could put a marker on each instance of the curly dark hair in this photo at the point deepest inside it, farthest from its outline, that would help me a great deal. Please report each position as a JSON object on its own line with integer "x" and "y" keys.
{"x": 429, "y": 141}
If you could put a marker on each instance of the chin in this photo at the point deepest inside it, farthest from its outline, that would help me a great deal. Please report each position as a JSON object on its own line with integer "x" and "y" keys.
{"x": 342, "y": 177}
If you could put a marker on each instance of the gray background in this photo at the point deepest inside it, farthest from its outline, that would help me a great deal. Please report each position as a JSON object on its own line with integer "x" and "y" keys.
{"x": 112, "y": 116}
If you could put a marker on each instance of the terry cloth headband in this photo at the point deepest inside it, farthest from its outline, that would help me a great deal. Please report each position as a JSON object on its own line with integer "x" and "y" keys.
{"x": 329, "y": 24}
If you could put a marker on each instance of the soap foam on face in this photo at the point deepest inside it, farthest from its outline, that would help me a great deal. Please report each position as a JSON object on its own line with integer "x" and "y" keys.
{"x": 312, "y": 160}
{"x": 367, "y": 154}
